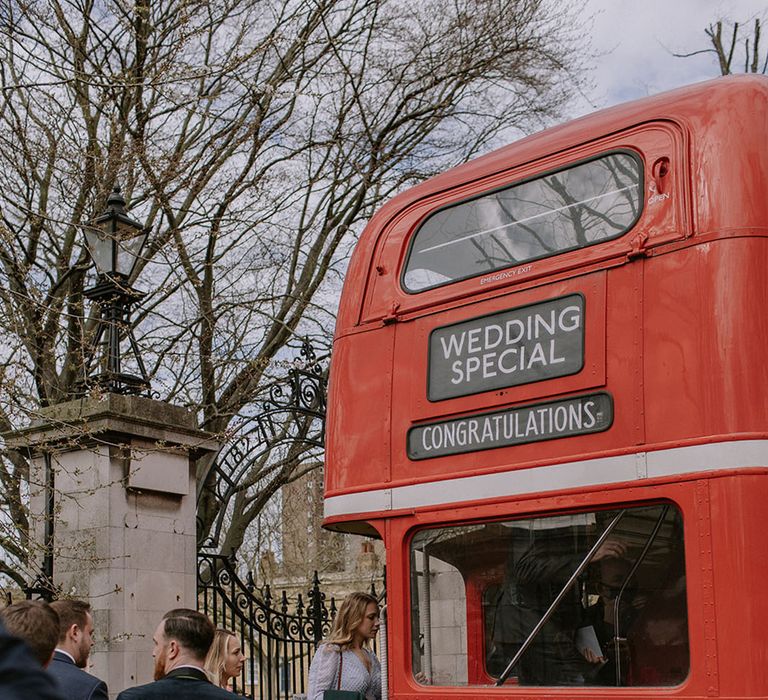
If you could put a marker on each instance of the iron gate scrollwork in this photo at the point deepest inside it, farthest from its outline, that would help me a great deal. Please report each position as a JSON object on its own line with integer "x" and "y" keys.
{"x": 278, "y": 636}
{"x": 291, "y": 415}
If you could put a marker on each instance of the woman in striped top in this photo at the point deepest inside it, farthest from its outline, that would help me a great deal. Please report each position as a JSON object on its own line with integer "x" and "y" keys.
{"x": 345, "y": 661}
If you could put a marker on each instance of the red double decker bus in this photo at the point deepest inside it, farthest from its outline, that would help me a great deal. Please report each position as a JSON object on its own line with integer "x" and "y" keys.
{"x": 547, "y": 400}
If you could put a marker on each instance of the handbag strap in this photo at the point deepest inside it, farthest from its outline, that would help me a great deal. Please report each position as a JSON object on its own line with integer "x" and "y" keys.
{"x": 341, "y": 662}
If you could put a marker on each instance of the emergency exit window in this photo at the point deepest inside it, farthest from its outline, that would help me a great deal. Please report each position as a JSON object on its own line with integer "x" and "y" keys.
{"x": 564, "y": 210}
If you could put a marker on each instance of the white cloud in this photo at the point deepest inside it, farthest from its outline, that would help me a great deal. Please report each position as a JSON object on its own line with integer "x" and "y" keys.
{"x": 636, "y": 42}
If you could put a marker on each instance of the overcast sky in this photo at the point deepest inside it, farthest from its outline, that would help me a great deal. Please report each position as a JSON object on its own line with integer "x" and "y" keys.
{"x": 637, "y": 40}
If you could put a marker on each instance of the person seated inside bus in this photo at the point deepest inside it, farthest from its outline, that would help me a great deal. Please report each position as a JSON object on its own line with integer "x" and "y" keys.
{"x": 536, "y": 578}
{"x": 598, "y": 639}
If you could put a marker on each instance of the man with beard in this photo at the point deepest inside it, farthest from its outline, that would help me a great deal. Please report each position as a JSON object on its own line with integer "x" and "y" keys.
{"x": 180, "y": 644}
{"x": 72, "y": 651}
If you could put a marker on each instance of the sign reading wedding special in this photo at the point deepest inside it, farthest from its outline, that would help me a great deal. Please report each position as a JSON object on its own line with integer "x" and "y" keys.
{"x": 517, "y": 346}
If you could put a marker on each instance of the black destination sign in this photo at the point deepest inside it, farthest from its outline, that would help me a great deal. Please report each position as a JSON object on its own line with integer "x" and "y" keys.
{"x": 513, "y": 426}
{"x": 518, "y": 346}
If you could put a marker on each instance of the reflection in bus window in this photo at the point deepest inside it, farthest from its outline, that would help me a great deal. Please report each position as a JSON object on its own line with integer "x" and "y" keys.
{"x": 479, "y": 592}
{"x": 568, "y": 209}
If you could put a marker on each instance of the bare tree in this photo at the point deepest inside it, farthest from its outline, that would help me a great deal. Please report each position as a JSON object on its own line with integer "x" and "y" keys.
{"x": 725, "y": 45}
{"x": 254, "y": 138}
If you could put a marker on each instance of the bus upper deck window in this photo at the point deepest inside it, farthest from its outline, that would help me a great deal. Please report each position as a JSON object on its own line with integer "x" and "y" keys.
{"x": 571, "y": 208}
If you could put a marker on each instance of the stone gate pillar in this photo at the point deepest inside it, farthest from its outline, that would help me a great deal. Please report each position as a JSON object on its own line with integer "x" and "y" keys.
{"x": 124, "y": 529}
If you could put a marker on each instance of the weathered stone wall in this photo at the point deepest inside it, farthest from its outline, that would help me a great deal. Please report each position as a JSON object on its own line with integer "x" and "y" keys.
{"x": 124, "y": 531}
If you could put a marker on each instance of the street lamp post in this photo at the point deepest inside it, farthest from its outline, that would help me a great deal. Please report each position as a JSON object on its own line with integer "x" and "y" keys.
{"x": 115, "y": 242}
{"x": 111, "y": 461}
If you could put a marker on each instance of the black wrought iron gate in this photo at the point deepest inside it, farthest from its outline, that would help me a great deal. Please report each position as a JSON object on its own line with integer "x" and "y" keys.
{"x": 279, "y": 635}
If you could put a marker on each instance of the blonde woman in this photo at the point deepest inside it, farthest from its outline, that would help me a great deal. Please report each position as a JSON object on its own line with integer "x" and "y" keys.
{"x": 225, "y": 658}
{"x": 344, "y": 661}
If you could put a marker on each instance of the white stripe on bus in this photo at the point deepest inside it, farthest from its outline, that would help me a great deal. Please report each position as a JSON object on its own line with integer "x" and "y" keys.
{"x": 677, "y": 461}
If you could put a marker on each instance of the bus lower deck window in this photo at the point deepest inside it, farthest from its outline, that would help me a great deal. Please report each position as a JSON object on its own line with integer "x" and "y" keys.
{"x": 621, "y": 622}
{"x": 564, "y": 210}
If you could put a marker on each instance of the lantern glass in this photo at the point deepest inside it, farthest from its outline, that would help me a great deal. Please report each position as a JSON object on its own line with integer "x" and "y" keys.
{"x": 128, "y": 243}
{"x": 115, "y": 240}
{"x": 100, "y": 248}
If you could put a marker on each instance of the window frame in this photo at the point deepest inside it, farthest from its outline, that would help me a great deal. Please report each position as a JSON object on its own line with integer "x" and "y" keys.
{"x": 635, "y": 155}
{"x": 585, "y": 509}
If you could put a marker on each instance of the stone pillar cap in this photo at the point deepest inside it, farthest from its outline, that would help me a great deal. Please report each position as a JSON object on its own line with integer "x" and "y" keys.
{"x": 112, "y": 417}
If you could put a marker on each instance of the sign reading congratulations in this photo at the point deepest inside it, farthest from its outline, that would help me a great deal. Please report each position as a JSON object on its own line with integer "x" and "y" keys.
{"x": 513, "y": 426}
{"x": 517, "y": 346}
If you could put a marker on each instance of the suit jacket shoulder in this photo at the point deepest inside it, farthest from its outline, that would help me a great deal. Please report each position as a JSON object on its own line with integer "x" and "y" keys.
{"x": 175, "y": 689}
{"x": 21, "y": 677}
{"x": 73, "y": 682}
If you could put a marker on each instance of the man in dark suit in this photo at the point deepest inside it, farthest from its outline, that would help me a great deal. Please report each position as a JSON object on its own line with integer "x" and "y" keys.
{"x": 36, "y": 624}
{"x": 180, "y": 644}
{"x": 21, "y": 675}
{"x": 72, "y": 650}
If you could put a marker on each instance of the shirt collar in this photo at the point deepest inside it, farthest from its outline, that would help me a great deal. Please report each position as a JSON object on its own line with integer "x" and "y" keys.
{"x": 66, "y": 653}
{"x": 197, "y": 668}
